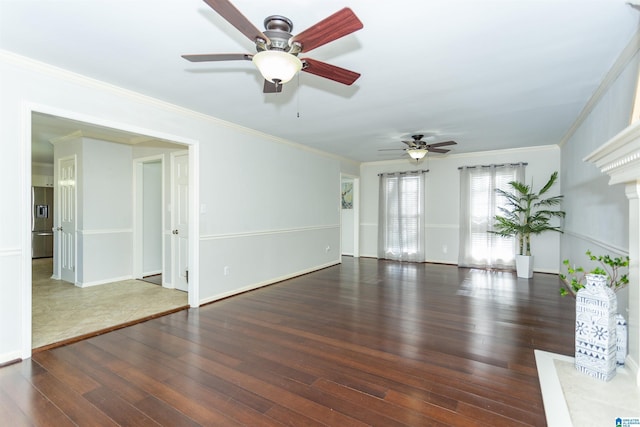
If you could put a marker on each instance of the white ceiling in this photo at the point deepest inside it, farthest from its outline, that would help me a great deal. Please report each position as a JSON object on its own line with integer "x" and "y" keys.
{"x": 490, "y": 74}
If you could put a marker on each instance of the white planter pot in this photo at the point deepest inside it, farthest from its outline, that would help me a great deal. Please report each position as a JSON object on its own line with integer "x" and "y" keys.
{"x": 524, "y": 266}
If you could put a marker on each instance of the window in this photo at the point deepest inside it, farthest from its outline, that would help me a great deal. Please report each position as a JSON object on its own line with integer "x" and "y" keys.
{"x": 401, "y": 216}
{"x": 479, "y": 204}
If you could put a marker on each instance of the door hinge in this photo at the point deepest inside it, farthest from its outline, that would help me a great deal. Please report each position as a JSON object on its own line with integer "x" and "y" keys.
{"x": 186, "y": 275}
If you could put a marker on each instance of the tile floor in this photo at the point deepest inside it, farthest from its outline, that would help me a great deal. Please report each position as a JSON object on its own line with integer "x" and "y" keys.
{"x": 62, "y": 311}
{"x": 575, "y": 399}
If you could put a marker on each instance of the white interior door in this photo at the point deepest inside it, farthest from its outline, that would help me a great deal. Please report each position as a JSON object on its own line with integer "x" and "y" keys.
{"x": 67, "y": 223}
{"x": 180, "y": 220}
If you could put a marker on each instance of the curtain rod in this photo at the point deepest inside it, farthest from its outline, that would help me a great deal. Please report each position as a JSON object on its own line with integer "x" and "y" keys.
{"x": 403, "y": 173}
{"x": 494, "y": 165}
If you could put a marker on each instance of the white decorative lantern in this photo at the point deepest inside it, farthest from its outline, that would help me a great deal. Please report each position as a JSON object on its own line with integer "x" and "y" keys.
{"x": 596, "y": 308}
{"x": 621, "y": 339}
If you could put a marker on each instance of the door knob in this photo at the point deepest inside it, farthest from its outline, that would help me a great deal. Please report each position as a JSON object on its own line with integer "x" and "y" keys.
{"x": 175, "y": 231}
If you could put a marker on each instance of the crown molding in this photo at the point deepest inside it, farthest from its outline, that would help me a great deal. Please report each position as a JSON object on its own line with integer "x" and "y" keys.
{"x": 64, "y": 138}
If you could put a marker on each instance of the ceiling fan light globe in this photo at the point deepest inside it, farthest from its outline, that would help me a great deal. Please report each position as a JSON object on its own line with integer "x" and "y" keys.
{"x": 416, "y": 153}
{"x": 277, "y": 66}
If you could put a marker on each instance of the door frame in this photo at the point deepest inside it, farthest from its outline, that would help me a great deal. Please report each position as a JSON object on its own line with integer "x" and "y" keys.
{"x": 138, "y": 213}
{"x": 193, "y": 146}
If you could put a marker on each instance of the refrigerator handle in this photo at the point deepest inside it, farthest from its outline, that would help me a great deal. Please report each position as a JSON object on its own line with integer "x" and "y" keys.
{"x": 33, "y": 214}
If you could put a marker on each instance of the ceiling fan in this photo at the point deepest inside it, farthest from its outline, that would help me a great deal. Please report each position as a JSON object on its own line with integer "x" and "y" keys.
{"x": 277, "y": 57}
{"x": 417, "y": 148}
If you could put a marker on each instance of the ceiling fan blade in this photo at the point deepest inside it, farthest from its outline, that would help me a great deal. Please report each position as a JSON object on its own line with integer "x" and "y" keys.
{"x": 411, "y": 144}
{"x": 338, "y": 25}
{"x": 218, "y": 57}
{"x": 437, "y": 150}
{"x": 329, "y": 71}
{"x": 271, "y": 87}
{"x": 229, "y": 12}
{"x": 442, "y": 144}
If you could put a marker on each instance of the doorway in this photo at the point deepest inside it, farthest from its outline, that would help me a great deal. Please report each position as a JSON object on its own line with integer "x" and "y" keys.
{"x": 59, "y": 125}
{"x": 350, "y": 215}
{"x": 149, "y": 199}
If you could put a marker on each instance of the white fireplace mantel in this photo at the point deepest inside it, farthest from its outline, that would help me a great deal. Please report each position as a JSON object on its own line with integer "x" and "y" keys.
{"x": 620, "y": 159}
{"x": 620, "y": 156}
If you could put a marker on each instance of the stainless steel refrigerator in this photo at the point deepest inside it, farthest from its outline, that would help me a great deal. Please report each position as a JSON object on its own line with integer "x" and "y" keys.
{"x": 41, "y": 222}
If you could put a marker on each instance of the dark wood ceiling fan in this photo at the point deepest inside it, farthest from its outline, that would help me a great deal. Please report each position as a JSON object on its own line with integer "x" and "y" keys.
{"x": 285, "y": 47}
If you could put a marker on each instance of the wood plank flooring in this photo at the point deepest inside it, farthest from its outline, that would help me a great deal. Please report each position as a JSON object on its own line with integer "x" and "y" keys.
{"x": 364, "y": 343}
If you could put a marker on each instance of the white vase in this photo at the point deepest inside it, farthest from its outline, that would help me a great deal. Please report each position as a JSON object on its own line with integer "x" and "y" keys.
{"x": 621, "y": 339}
{"x": 524, "y": 266}
{"x": 596, "y": 308}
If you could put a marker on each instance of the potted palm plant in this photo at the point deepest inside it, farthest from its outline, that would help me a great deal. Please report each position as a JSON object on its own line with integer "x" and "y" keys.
{"x": 527, "y": 212}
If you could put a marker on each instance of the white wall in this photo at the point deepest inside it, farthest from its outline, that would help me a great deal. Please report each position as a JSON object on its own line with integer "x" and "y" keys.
{"x": 443, "y": 200}
{"x": 276, "y": 211}
{"x": 104, "y": 209}
{"x": 597, "y": 213}
{"x": 266, "y": 217}
{"x": 105, "y": 230}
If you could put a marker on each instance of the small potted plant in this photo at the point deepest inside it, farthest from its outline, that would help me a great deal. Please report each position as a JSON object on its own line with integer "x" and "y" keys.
{"x": 526, "y": 213}
{"x": 575, "y": 278}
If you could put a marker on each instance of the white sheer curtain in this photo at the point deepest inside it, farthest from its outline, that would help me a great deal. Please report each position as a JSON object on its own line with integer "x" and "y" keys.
{"x": 401, "y": 216}
{"x": 478, "y": 206}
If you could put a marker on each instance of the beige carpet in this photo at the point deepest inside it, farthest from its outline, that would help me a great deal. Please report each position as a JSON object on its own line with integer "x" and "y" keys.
{"x": 62, "y": 311}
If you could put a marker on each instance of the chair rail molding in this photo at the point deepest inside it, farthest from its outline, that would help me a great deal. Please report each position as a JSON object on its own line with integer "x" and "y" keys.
{"x": 620, "y": 159}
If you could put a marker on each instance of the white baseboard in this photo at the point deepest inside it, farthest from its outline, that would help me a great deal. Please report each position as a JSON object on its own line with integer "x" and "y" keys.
{"x": 633, "y": 367}
{"x": 104, "y": 281}
{"x": 10, "y": 357}
{"x": 265, "y": 283}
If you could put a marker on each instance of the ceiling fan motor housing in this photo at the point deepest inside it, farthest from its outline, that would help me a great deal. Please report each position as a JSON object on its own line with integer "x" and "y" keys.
{"x": 278, "y": 29}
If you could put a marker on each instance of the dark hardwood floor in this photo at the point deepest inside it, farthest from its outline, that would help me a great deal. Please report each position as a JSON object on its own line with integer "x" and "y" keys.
{"x": 364, "y": 343}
